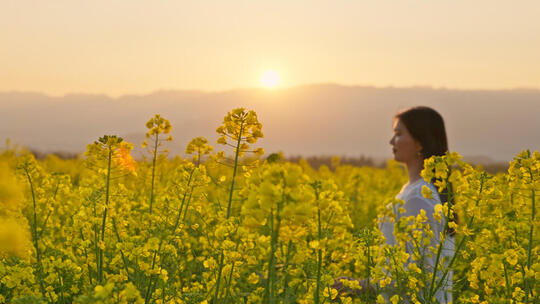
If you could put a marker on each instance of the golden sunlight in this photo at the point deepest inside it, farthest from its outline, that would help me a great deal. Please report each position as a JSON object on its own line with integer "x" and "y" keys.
{"x": 270, "y": 79}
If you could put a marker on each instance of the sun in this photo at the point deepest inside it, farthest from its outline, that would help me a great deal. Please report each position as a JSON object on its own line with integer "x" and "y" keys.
{"x": 270, "y": 79}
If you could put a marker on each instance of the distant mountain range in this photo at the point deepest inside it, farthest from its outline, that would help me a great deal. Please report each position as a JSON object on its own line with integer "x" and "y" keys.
{"x": 322, "y": 119}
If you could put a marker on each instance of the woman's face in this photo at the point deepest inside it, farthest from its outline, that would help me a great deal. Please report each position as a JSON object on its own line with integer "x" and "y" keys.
{"x": 404, "y": 147}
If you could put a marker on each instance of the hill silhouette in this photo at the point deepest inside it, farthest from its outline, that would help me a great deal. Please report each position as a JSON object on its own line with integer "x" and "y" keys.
{"x": 321, "y": 119}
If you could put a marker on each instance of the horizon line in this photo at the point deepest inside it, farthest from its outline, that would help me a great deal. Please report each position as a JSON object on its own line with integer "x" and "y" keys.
{"x": 277, "y": 89}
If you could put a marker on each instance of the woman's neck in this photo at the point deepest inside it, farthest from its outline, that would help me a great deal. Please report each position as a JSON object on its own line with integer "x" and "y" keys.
{"x": 413, "y": 170}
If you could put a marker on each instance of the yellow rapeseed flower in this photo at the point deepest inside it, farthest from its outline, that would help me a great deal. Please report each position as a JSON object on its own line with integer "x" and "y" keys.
{"x": 426, "y": 192}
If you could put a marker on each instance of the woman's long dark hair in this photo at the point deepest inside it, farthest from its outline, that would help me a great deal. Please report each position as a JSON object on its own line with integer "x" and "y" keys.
{"x": 427, "y": 127}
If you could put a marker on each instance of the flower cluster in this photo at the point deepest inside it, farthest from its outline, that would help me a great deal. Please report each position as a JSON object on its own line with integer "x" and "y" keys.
{"x": 209, "y": 229}
{"x": 240, "y": 128}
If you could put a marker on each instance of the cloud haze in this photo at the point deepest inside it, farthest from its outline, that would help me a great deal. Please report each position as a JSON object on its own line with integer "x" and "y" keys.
{"x": 321, "y": 119}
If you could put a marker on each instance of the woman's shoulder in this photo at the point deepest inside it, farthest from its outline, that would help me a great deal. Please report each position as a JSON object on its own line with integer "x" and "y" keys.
{"x": 413, "y": 191}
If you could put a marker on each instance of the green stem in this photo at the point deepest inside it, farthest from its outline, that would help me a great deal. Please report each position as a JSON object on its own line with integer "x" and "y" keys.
{"x": 285, "y": 267}
{"x": 437, "y": 259}
{"x": 35, "y": 234}
{"x": 398, "y": 279}
{"x": 151, "y": 283}
{"x": 368, "y": 261}
{"x": 60, "y": 282}
{"x": 533, "y": 196}
{"x": 441, "y": 242}
{"x": 163, "y": 288}
{"x": 182, "y": 203}
{"x": 464, "y": 237}
{"x": 508, "y": 290}
{"x": 187, "y": 204}
{"x": 96, "y": 236}
{"x": 227, "y": 294}
{"x": 319, "y": 257}
{"x": 153, "y": 172}
{"x": 87, "y": 263}
{"x": 218, "y": 280}
{"x": 453, "y": 258}
{"x": 121, "y": 251}
{"x": 529, "y": 247}
{"x": 270, "y": 288}
{"x": 266, "y": 298}
{"x": 104, "y": 220}
{"x": 237, "y": 152}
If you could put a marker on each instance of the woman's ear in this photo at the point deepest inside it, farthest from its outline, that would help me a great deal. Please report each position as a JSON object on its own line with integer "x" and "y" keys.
{"x": 419, "y": 148}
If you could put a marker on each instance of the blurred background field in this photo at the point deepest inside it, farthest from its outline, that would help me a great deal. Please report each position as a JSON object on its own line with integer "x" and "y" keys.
{"x": 228, "y": 225}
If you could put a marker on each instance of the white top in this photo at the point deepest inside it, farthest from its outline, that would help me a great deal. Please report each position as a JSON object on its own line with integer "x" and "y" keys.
{"x": 411, "y": 194}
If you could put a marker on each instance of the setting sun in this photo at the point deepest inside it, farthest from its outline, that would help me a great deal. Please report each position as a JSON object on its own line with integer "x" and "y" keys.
{"x": 269, "y": 79}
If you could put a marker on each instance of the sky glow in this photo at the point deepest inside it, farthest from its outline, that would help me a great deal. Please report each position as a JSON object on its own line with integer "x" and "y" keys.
{"x": 136, "y": 47}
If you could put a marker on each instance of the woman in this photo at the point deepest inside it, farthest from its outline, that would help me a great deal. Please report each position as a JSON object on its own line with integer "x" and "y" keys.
{"x": 419, "y": 133}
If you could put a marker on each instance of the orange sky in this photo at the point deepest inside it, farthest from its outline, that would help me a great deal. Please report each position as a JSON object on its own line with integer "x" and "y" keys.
{"x": 125, "y": 46}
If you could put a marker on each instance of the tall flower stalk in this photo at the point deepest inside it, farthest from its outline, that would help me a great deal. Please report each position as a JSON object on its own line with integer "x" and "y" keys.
{"x": 524, "y": 172}
{"x": 317, "y": 188}
{"x": 198, "y": 147}
{"x": 28, "y": 167}
{"x": 274, "y": 220}
{"x": 277, "y": 202}
{"x": 239, "y": 129}
{"x": 157, "y": 126}
{"x": 105, "y": 155}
